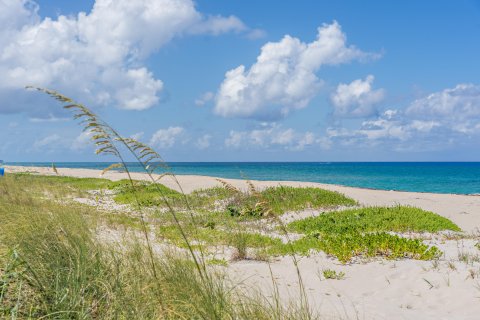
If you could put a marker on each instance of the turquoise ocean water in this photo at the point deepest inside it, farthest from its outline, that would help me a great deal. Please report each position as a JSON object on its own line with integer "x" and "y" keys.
{"x": 438, "y": 177}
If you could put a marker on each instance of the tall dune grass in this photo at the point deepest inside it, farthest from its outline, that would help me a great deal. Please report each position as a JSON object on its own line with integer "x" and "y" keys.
{"x": 54, "y": 266}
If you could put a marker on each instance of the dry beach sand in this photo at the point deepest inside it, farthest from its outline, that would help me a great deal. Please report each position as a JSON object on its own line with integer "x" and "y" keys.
{"x": 379, "y": 289}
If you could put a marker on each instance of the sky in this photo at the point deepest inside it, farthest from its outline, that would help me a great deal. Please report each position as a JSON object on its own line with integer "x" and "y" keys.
{"x": 236, "y": 80}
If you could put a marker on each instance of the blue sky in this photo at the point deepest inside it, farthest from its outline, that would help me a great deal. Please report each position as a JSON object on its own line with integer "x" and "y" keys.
{"x": 245, "y": 80}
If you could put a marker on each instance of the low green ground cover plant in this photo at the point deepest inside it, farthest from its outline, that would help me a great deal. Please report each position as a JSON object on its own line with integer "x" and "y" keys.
{"x": 367, "y": 232}
{"x": 347, "y": 246}
{"x": 332, "y": 274}
{"x": 375, "y": 219}
{"x": 285, "y": 198}
{"x": 146, "y": 194}
{"x": 213, "y": 237}
{"x": 350, "y": 245}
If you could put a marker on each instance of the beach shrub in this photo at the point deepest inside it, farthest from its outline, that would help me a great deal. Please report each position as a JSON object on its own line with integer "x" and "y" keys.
{"x": 247, "y": 204}
{"x": 247, "y": 207}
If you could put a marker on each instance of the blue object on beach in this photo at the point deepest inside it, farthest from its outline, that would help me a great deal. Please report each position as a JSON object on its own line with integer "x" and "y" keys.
{"x": 2, "y": 169}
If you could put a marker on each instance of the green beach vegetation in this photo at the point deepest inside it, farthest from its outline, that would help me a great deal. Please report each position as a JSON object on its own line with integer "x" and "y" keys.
{"x": 279, "y": 199}
{"x": 369, "y": 232}
{"x": 375, "y": 219}
{"x": 332, "y": 274}
{"x": 150, "y": 253}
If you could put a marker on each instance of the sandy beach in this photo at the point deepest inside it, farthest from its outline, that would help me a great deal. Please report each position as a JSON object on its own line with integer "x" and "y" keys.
{"x": 381, "y": 289}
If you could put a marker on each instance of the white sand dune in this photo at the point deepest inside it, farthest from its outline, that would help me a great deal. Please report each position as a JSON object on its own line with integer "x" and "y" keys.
{"x": 380, "y": 289}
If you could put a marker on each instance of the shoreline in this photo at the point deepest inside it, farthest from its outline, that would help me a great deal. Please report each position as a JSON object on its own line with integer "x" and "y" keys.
{"x": 462, "y": 209}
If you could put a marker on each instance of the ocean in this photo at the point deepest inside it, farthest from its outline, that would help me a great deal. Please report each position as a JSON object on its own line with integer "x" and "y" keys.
{"x": 437, "y": 177}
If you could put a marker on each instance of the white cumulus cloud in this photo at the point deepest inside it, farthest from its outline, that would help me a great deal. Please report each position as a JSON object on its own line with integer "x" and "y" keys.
{"x": 458, "y": 106}
{"x": 166, "y": 138}
{"x": 356, "y": 99}
{"x": 284, "y": 76}
{"x": 98, "y": 55}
